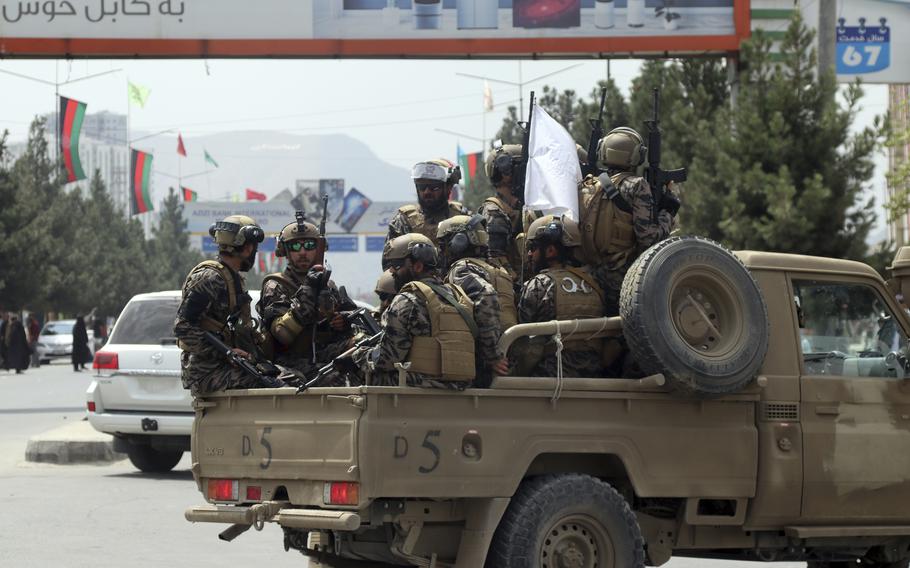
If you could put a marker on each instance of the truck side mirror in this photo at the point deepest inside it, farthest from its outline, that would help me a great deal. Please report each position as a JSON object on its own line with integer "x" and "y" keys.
{"x": 898, "y": 362}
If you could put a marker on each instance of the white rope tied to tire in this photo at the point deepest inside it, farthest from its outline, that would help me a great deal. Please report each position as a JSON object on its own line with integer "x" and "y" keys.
{"x": 558, "y": 390}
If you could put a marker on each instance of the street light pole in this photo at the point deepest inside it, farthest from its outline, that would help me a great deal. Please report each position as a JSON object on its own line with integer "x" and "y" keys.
{"x": 520, "y": 83}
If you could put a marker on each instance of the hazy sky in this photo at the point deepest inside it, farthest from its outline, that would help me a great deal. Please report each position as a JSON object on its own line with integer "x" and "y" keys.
{"x": 394, "y": 106}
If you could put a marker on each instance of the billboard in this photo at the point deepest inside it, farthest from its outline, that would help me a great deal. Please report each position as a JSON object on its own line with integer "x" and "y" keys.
{"x": 870, "y": 43}
{"x": 369, "y": 28}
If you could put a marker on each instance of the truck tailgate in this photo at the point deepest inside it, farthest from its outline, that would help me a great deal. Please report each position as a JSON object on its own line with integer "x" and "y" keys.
{"x": 276, "y": 434}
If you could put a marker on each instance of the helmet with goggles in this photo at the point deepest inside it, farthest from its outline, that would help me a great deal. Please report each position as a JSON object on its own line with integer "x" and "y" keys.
{"x": 415, "y": 246}
{"x": 296, "y": 236}
{"x": 436, "y": 170}
{"x": 554, "y": 229}
{"x": 236, "y": 231}
{"x": 460, "y": 232}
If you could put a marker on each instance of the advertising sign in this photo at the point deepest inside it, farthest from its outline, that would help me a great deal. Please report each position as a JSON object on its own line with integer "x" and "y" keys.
{"x": 871, "y": 41}
{"x": 358, "y": 28}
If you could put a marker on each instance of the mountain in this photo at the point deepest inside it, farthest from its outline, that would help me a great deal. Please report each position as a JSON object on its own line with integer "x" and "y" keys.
{"x": 269, "y": 162}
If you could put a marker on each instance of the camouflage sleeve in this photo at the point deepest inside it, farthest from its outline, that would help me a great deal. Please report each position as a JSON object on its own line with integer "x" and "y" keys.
{"x": 486, "y": 308}
{"x": 202, "y": 290}
{"x": 398, "y": 226}
{"x": 537, "y": 301}
{"x": 398, "y": 321}
{"x": 273, "y": 303}
{"x": 499, "y": 228}
{"x": 642, "y": 201}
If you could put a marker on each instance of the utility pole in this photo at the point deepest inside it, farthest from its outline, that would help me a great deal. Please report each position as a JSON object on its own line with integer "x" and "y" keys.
{"x": 827, "y": 36}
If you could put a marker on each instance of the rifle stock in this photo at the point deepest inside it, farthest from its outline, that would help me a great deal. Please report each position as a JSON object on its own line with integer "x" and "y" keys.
{"x": 330, "y": 366}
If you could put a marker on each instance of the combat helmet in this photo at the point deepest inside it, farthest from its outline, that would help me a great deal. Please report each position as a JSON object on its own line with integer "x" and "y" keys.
{"x": 296, "y": 231}
{"x": 437, "y": 169}
{"x": 461, "y": 232}
{"x": 501, "y": 161}
{"x": 622, "y": 147}
{"x": 235, "y": 231}
{"x": 554, "y": 229}
{"x": 415, "y": 246}
{"x": 385, "y": 285}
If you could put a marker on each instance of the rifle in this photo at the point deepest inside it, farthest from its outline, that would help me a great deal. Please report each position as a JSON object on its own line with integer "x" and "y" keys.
{"x": 267, "y": 380}
{"x": 324, "y": 244}
{"x": 363, "y": 318}
{"x": 369, "y": 341}
{"x": 658, "y": 178}
{"x": 597, "y": 132}
{"x": 519, "y": 173}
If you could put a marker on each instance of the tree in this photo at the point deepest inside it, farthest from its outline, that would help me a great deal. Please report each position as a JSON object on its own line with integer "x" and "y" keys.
{"x": 899, "y": 174}
{"x": 170, "y": 245}
{"x": 781, "y": 171}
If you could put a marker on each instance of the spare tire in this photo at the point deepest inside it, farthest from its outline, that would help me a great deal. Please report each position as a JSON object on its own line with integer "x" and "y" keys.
{"x": 693, "y": 312}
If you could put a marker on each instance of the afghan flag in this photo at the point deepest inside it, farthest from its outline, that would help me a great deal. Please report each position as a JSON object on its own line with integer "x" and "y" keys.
{"x": 140, "y": 182}
{"x": 209, "y": 158}
{"x": 189, "y": 194}
{"x": 470, "y": 164}
{"x": 69, "y": 124}
{"x": 181, "y": 149}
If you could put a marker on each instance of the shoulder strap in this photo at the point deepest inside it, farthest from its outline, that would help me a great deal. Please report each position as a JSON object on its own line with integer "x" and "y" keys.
{"x": 228, "y": 278}
{"x": 408, "y": 208}
{"x": 446, "y": 295}
{"x": 613, "y": 194}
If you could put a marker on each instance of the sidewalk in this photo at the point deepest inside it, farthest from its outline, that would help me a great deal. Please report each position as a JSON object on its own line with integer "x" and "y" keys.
{"x": 76, "y": 443}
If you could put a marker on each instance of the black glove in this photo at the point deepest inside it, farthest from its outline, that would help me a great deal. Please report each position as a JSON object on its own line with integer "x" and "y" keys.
{"x": 669, "y": 203}
{"x": 316, "y": 277}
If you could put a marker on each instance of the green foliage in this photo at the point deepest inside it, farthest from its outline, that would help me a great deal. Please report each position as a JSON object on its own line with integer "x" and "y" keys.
{"x": 899, "y": 175}
{"x": 69, "y": 251}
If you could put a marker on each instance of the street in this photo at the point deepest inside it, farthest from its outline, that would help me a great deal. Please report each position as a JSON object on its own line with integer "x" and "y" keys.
{"x": 111, "y": 515}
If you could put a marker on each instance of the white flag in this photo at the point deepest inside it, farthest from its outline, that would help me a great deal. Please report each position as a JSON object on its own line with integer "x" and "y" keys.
{"x": 551, "y": 181}
{"x": 487, "y": 97}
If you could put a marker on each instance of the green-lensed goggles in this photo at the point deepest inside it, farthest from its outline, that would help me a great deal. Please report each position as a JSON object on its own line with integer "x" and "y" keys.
{"x": 308, "y": 244}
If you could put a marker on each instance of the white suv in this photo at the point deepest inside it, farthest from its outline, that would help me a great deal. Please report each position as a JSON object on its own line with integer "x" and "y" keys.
{"x": 137, "y": 395}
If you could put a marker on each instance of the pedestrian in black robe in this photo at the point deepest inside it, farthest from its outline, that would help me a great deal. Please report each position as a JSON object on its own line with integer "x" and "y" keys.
{"x": 81, "y": 353}
{"x": 17, "y": 354}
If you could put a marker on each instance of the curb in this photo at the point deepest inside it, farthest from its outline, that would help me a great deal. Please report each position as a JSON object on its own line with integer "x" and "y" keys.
{"x": 76, "y": 443}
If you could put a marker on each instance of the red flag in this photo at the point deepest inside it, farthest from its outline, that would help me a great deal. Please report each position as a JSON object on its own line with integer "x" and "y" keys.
{"x": 254, "y": 195}
{"x": 181, "y": 149}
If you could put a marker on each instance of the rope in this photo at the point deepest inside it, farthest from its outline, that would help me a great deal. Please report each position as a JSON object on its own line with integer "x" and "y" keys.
{"x": 558, "y": 390}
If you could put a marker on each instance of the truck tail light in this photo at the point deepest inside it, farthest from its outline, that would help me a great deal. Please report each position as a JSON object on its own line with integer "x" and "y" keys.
{"x": 106, "y": 360}
{"x": 91, "y": 406}
{"x": 341, "y": 493}
{"x": 253, "y": 493}
{"x": 223, "y": 489}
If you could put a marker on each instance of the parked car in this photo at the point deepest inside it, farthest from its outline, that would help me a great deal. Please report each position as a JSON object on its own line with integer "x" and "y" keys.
{"x": 56, "y": 340}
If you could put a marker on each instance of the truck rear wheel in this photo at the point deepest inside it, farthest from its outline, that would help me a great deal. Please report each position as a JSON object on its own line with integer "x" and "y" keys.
{"x": 693, "y": 312}
{"x": 567, "y": 520}
{"x": 150, "y": 460}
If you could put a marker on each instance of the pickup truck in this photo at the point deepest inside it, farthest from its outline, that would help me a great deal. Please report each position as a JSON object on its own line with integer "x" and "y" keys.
{"x": 807, "y": 458}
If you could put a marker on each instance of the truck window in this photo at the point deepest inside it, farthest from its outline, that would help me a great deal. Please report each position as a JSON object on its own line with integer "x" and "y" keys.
{"x": 845, "y": 329}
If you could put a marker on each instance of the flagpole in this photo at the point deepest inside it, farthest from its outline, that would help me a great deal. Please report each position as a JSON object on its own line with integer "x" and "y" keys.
{"x": 126, "y": 187}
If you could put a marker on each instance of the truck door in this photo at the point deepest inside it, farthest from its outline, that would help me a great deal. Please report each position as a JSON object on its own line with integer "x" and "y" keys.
{"x": 855, "y": 411}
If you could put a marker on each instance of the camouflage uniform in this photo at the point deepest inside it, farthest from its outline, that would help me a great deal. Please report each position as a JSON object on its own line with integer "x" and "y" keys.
{"x": 278, "y": 299}
{"x": 503, "y": 225}
{"x": 205, "y": 303}
{"x": 478, "y": 285}
{"x": 610, "y": 267}
{"x": 538, "y": 304}
{"x": 406, "y": 317}
{"x": 413, "y": 219}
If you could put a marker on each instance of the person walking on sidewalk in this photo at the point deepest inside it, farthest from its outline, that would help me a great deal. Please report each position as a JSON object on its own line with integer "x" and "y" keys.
{"x": 81, "y": 352}
{"x": 16, "y": 345}
{"x": 33, "y": 329}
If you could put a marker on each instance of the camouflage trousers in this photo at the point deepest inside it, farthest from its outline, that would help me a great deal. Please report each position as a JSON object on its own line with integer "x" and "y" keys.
{"x": 203, "y": 375}
{"x": 610, "y": 281}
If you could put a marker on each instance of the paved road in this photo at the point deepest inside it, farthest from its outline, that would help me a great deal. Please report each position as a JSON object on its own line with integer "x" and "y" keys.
{"x": 111, "y": 515}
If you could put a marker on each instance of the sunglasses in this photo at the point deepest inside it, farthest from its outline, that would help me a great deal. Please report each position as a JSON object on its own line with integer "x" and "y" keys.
{"x": 305, "y": 245}
{"x": 430, "y": 187}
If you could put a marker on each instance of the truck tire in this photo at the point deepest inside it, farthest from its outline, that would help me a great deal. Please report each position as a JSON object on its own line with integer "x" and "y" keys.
{"x": 567, "y": 520}
{"x": 148, "y": 459}
{"x": 692, "y": 311}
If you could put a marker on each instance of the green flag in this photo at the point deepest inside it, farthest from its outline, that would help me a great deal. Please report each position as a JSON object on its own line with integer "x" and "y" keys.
{"x": 138, "y": 94}
{"x": 210, "y": 159}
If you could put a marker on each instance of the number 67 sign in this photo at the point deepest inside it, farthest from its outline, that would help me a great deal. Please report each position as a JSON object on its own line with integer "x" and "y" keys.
{"x": 863, "y": 49}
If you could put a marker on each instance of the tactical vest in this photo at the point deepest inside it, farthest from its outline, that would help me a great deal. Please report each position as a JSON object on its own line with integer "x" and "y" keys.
{"x": 208, "y": 323}
{"x": 419, "y": 223}
{"x": 607, "y": 232}
{"x": 505, "y": 290}
{"x": 577, "y": 297}
{"x": 447, "y": 354}
{"x": 302, "y": 344}
{"x": 515, "y": 247}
